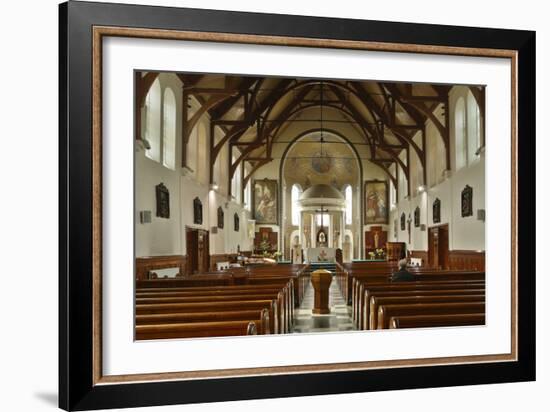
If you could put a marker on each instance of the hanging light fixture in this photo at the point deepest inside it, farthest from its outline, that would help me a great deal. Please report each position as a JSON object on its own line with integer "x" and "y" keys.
{"x": 322, "y": 161}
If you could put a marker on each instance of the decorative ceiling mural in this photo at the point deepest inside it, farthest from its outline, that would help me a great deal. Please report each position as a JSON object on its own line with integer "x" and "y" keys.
{"x": 311, "y": 161}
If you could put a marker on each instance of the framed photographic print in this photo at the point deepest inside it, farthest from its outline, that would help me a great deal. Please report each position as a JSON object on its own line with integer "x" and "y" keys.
{"x": 308, "y": 125}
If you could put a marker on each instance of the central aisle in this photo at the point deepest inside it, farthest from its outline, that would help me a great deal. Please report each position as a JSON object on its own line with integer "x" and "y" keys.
{"x": 339, "y": 318}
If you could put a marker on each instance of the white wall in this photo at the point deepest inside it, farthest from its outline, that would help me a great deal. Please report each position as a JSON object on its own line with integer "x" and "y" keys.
{"x": 465, "y": 233}
{"x": 167, "y": 236}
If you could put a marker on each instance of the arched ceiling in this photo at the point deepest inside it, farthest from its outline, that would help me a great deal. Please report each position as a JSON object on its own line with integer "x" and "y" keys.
{"x": 311, "y": 161}
{"x": 255, "y": 111}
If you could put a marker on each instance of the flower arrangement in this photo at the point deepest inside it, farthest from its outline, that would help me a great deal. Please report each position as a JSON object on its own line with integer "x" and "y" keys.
{"x": 377, "y": 254}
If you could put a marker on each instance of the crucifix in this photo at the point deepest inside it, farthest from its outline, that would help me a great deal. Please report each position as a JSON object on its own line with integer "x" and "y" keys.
{"x": 409, "y": 220}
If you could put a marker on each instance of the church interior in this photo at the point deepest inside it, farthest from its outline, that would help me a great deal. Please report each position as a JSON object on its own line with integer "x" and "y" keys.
{"x": 274, "y": 205}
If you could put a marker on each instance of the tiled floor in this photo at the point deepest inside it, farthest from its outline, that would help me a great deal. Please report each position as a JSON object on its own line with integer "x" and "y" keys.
{"x": 338, "y": 320}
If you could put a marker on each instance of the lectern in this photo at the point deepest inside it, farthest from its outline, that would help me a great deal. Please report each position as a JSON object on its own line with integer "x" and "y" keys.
{"x": 321, "y": 280}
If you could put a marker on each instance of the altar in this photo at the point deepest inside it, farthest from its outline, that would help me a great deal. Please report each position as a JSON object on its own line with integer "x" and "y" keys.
{"x": 320, "y": 254}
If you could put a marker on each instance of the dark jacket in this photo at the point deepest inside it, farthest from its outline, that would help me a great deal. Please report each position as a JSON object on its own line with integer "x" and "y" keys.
{"x": 402, "y": 275}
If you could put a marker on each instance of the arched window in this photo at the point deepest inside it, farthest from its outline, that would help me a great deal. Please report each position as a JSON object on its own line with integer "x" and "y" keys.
{"x": 236, "y": 181}
{"x": 202, "y": 158}
{"x": 348, "y": 194}
{"x": 248, "y": 196}
{"x": 473, "y": 122}
{"x": 323, "y": 219}
{"x": 169, "y": 130}
{"x": 191, "y": 152}
{"x": 295, "y": 193}
{"x": 461, "y": 144}
{"x": 467, "y": 130}
{"x": 152, "y": 121}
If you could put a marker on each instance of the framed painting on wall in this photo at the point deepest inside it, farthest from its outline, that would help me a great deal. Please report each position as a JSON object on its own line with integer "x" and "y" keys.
{"x": 103, "y": 46}
{"x": 265, "y": 201}
{"x": 376, "y": 202}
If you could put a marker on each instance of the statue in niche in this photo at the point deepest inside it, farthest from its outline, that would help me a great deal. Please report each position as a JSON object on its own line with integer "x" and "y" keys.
{"x": 376, "y": 239}
{"x": 466, "y": 201}
{"x": 163, "y": 201}
{"x": 403, "y": 218}
{"x": 321, "y": 238}
{"x": 197, "y": 211}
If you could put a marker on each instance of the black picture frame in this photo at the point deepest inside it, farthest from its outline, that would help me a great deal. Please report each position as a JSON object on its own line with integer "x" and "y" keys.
{"x": 236, "y": 222}
{"x": 78, "y": 384}
{"x": 162, "y": 196}
{"x": 417, "y": 217}
{"x": 197, "y": 211}
{"x": 220, "y": 218}
{"x": 466, "y": 201}
{"x": 436, "y": 211}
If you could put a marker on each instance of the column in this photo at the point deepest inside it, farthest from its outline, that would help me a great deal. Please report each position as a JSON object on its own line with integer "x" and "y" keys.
{"x": 301, "y": 229}
{"x": 330, "y": 240}
{"x": 313, "y": 230}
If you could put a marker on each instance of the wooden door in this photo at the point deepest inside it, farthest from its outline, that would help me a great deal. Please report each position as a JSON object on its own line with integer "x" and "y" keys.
{"x": 192, "y": 251}
{"x": 433, "y": 247}
{"x": 444, "y": 247}
{"x": 203, "y": 255}
{"x": 438, "y": 247}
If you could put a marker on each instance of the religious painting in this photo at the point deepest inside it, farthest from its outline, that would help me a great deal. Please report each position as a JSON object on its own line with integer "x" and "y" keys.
{"x": 417, "y": 217}
{"x": 163, "y": 201}
{"x": 466, "y": 201}
{"x": 220, "y": 217}
{"x": 197, "y": 211}
{"x": 436, "y": 211}
{"x": 265, "y": 202}
{"x": 236, "y": 222}
{"x": 376, "y": 201}
{"x": 403, "y": 220}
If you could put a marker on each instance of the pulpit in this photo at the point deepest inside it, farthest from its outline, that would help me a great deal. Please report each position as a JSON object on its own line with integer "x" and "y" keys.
{"x": 321, "y": 280}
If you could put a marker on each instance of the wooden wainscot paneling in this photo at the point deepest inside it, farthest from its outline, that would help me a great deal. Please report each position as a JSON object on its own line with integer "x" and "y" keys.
{"x": 420, "y": 254}
{"x": 467, "y": 260}
{"x": 147, "y": 263}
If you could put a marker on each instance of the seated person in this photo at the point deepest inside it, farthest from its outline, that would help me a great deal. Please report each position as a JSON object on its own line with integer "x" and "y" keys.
{"x": 402, "y": 275}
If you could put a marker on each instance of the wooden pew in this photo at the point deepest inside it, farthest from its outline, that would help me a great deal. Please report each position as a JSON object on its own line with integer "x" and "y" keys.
{"x": 278, "y": 296}
{"x": 197, "y": 330}
{"x": 376, "y": 302}
{"x": 286, "y": 310}
{"x": 427, "y": 321}
{"x": 172, "y": 308}
{"x": 360, "y": 286}
{"x": 249, "y": 315}
{"x": 386, "y": 312}
{"x": 452, "y": 290}
{"x": 362, "y": 311}
{"x": 360, "y": 282}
